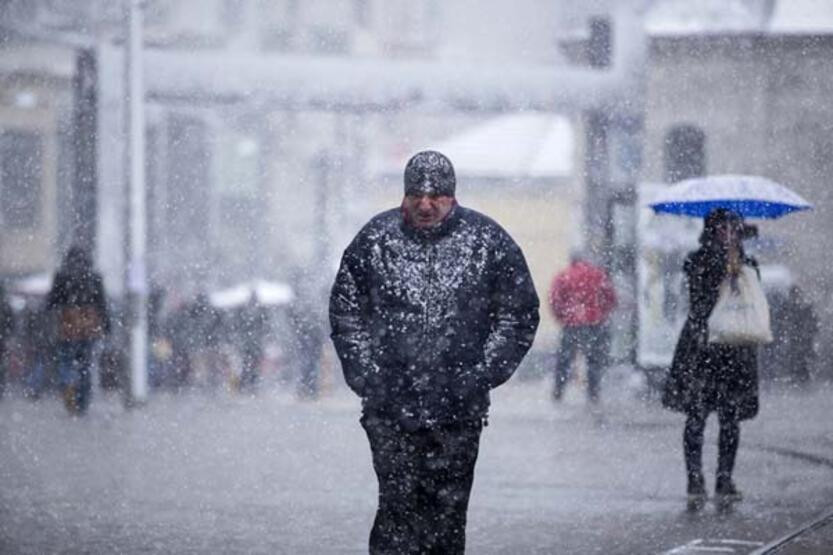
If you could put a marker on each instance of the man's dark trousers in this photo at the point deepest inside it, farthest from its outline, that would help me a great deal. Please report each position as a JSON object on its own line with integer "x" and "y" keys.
{"x": 593, "y": 341}
{"x": 425, "y": 478}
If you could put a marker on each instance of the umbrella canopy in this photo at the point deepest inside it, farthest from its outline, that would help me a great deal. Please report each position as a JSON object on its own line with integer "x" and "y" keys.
{"x": 266, "y": 292}
{"x": 749, "y": 196}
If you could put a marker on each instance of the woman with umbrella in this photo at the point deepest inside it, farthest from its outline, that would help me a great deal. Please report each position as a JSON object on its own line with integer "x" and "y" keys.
{"x": 716, "y": 377}
{"x": 707, "y": 377}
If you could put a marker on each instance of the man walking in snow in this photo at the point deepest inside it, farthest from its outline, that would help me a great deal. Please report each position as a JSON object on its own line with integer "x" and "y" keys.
{"x": 582, "y": 298}
{"x": 432, "y": 307}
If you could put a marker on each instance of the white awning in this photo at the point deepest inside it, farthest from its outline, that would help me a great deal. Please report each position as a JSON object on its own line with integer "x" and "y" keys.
{"x": 525, "y": 145}
{"x": 532, "y": 145}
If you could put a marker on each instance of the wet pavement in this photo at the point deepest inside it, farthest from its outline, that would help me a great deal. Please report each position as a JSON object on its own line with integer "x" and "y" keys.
{"x": 811, "y": 538}
{"x": 218, "y": 473}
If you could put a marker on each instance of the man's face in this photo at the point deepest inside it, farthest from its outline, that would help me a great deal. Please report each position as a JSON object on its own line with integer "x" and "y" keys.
{"x": 425, "y": 210}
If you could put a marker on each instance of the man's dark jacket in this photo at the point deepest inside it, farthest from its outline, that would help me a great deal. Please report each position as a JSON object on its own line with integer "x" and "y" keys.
{"x": 425, "y": 322}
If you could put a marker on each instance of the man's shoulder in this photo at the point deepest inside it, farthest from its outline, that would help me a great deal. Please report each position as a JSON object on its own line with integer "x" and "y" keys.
{"x": 379, "y": 226}
{"x": 481, "y": 222}
{"x": 387, "y": 218}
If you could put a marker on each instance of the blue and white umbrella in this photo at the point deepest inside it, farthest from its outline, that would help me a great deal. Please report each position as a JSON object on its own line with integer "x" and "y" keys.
{"x": 747, "y": 195}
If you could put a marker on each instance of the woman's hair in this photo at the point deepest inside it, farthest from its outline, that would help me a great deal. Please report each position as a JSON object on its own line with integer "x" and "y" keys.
{"x": 716, "y": 219}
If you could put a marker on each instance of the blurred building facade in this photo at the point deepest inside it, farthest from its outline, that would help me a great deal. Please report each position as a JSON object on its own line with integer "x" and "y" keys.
{"x": 245, "y": 186}
{"x": 35, "y": 151}
{"x": 237, "y": 187}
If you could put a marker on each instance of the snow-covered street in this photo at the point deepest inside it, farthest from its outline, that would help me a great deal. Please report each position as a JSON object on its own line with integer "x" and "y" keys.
{"x": 227, "y": 474}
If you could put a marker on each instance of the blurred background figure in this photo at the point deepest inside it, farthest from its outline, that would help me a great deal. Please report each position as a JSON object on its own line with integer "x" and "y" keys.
{"x": 795, "y": 325}
{"x": 77, "y": 299}
{"x": 159, "y": 355}
{"x": 6, "y": 330}
{"x": 39, "y": 348}
{"x": 204, "y": 327}
{"x": 176, "y": 332}
{"x": 804, "y": 324}
{"x": 252, "y": 326}
{"x": 582, "y": 298}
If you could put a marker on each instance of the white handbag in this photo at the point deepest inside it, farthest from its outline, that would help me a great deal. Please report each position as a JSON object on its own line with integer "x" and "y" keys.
{"x": 741, "y": 315}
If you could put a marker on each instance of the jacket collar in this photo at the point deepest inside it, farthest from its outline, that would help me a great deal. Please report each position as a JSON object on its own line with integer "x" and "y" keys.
{"x": 442, "y": 229}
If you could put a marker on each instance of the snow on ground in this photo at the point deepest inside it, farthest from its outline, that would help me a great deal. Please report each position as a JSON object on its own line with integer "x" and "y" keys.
{"x": 221, "y": 473}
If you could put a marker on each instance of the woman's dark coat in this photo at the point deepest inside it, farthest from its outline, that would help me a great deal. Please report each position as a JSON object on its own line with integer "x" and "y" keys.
{"x": 707, "y": 377}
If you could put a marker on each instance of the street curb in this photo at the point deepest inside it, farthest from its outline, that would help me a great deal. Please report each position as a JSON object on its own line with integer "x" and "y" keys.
{"x": 776, "y": 545}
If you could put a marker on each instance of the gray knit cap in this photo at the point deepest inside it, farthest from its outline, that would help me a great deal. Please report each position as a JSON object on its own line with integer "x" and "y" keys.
{"x": 430, "y": 173}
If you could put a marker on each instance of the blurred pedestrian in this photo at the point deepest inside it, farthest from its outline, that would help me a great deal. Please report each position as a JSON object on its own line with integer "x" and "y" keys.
{"x": 582, "y": 298}
{"x": 204, "y": 341}
{"x": 177, "y": 333}
{"x": 77, "y": 298}
{"x": 252, "y": 327}
{"x": 39, "y": 344}
{"x": 433, "y": 305}
{"x": 774, "y": 359}
{"x": 803, "y": 327}
{"x": 708, "y": 377}
{"x": 159, "y": 351}
{"x": 6, "y": 331}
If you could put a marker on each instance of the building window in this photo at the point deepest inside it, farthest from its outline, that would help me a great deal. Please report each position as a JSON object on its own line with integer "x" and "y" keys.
{"x": 21, "y": 174}
{"x": 685, "y": 153}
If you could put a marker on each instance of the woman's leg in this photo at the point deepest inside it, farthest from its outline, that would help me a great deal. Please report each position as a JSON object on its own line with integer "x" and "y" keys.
{"x": 727, "y": 449}
{"x": 731, "y": 391}
{"x": 695, "y": 426}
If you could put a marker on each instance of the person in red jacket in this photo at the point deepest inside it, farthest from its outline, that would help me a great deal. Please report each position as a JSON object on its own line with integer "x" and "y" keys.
{"x": 582, "y": 298}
